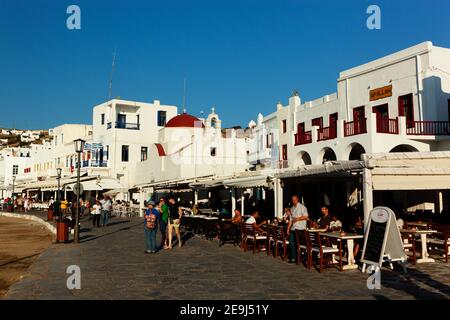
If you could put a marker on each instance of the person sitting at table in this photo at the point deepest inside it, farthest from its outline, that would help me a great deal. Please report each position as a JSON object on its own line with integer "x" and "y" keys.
{"x": 237, "y": 216}
{"x": 286, "y": 215}
{"x": 335, "y": 224}
{"x": 256, "y": 226}
{"x": 325, "y": 220}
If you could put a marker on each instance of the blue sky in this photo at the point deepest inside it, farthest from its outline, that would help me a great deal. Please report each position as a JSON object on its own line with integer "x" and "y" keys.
{"x": 239, "y": 56}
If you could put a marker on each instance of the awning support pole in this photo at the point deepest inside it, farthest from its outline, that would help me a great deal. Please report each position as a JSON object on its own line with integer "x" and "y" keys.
{"x": 367, "y": 195}
{"x": 233, "y": 201}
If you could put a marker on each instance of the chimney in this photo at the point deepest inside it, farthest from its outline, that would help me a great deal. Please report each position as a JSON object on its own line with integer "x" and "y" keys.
{"x": 294, "y": 100}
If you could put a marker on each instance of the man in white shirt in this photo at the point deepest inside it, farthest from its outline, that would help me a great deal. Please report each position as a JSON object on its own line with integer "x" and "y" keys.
{"x": 335, "y": 224}
{"x": 106, "y": 208}
{"x": 252, "y": 221}
{"x": 299, "y": 217}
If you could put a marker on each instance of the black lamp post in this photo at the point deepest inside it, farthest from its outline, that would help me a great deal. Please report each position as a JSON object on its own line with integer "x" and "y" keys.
{"x": 12, "y": 195}
{"x": 58, "y": 195}
{"x": 79, "y": 147}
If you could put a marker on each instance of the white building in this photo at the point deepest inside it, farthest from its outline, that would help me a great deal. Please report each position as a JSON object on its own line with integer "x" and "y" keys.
{"x": 126, "y": 130}
{"x": 400, "y": 102}
{"x": 189, "y": 148}
{"x": 29, "y": 135}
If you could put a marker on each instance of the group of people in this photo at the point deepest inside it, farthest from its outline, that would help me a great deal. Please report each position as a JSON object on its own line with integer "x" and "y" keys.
{"x": 101, "y": 208}
{"x": 296, "y": 218}
{"x": 165, "y": 216}
{"x": 23, "y": 204}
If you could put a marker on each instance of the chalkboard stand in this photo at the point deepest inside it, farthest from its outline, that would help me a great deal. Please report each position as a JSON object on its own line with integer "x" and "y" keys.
{"x": 382, "y": 240}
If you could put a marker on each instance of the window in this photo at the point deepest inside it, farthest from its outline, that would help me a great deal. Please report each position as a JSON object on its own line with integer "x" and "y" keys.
{"x": 125, "y": 153}
{"x": 56, "y": 140}
{"x": 144, "y": 153}
{"x": 284, "y": 126}
{"x": 284, "y": 152}
{"x": 162, "y": 118}
{"x": 103, "y": 118}
{"x": 62, "y": 138}
{"x": 213, "y": 151}
{"x": 15, "y": 170}
{"x": 317, "y": 122}
{"x": 213, "y": 123}
{"x": 107, "y": 153}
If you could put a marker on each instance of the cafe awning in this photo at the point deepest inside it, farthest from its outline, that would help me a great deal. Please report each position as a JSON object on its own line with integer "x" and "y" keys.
{"x": 247, "y": 182}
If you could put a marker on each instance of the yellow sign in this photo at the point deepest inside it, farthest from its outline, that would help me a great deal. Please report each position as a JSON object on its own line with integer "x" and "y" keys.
{"x": 380, "y": 93}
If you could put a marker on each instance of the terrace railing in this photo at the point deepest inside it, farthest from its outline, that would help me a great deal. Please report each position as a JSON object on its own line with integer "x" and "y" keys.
{"x": 303, "y": 138}
{"x": 326, "y": 133}
{"x": 355, "y": 127}
{"x": 386, "y": 125}
{"x": 428, "y": 128}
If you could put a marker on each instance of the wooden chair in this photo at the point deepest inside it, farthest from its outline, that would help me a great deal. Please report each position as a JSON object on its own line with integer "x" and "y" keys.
{"x": 302, "y": 246}
{"x": 270, "y": 240}
{"x": 440, "y": 241}
{"x": 280, "y": 239}
{"x": 253, "y": 238}
{"x": 321, "y": 252}
{"x": 409, "y": 243}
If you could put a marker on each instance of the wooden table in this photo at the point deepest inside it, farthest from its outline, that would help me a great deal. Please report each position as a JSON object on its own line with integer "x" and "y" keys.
{"x": 423, "y": 239}
{"x": 349, "y": 237}
{"x": 417, "y": 224}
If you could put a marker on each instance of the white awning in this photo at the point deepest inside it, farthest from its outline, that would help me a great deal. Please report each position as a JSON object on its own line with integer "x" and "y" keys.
{"x": 110, "y": 184}
{"x": 411, "y": 182}
{"x": 115, "y": 192}
{"x": 90, "y": 185}
{"x": 247, "y": 182}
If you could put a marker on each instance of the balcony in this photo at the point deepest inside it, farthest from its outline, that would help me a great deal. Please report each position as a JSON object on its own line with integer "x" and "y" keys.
{"x": 428, "y": 128}
{"x": 303, "y": 138}
{"x": 94, "y": 164}
{"x": 326, "y": 133}
{"x": 124, "y": 125}
{"x": 387, "y": 125}
{"x": 355, "y": 127}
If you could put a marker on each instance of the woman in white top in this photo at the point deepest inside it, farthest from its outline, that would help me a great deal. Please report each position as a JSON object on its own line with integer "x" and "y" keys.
{"x": 96, "y": 214}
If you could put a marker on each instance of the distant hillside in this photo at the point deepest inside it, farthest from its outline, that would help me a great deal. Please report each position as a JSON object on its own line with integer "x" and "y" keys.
{"x": 14, "y": 140}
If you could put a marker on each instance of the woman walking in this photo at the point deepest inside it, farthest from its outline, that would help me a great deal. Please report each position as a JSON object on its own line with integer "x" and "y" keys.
{"x": 151, "y": 226}
{"x": 96, "y": 214}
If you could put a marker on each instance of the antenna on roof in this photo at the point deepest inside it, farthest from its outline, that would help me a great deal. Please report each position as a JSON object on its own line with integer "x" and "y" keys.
{"x": 111, "y": 74}
{"x": 184, "y": 96}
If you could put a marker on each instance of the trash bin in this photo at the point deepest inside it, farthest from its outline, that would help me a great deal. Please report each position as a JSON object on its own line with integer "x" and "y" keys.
{"x": 50, "y": 215}
{"x": 62, "y": 231}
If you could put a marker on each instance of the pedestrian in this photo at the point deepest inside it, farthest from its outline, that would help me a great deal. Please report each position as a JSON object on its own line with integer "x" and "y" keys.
{"x": 106, "y": 208}
{"x": 297, "y": 221}
{"x": 150, "y": 227}
{"x": 96, "y": 214}
{"x": 27, "y": 204}
{"x": 175, "y": 214}
{"x": 164, "y": 211}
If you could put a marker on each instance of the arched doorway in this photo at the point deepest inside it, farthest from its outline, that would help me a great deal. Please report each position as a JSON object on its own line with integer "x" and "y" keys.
{"x": 327, "y": 154}
{"x": 404, "y": 148}
{"x": 303, "y": 158}
{"x": 355, "y": 151}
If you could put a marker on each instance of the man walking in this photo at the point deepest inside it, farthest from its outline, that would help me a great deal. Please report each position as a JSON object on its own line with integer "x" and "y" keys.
{"x": 298, "y": 218}
{"x": 106, "y": 208}
{"x": 175, "y": 213}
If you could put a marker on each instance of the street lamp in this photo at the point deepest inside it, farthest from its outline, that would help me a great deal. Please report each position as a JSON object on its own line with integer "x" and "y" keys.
{"x": 58, "y": 195}
{"x": 79, "y": 147}
{"x": 12, "y": 195}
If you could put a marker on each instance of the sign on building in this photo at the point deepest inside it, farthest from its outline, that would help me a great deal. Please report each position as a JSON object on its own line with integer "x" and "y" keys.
{"x": 380, "y": 93}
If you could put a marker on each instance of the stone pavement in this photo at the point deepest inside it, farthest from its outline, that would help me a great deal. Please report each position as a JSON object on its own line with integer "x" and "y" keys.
{"x": 114, "y": 266}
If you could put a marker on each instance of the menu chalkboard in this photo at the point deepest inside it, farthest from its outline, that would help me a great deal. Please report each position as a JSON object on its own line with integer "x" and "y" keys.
{"x": 375, "y": 239}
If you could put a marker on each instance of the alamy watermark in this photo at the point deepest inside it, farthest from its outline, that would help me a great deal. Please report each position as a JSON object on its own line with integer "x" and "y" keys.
{"x": 73, "y": 21}
{"x": 374, "y": 280}
{"x": 74, "y": 280}
{"x": 374, "y": 20}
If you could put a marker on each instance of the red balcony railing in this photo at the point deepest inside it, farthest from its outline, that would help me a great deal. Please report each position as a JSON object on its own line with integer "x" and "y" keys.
{"x": 303, "y": 138}
{"x": 386, "y": 125}
{"x": 355, "y": 127}
{"x": 428, "y": 128}
{"x": 326, "y": 133}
